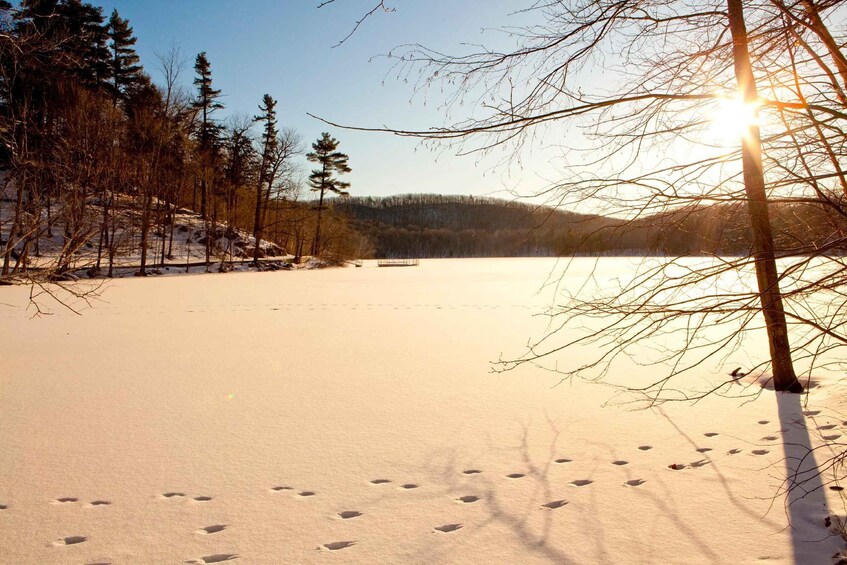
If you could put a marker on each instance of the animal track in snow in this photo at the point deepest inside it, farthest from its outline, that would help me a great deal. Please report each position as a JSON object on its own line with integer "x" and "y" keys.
{"x": 811, "y": 412}
{"x": 710, "y": 434}
{"x": 763, "y": 422}
{"x": 563, "y": 460}
{"x": 468, "y": 499}
{"x": 65, "y": 500}
{"x": 826, "y": 427}
{"x": 581, "y": 482}
{"x": 409, "y": 486}
{"x": 620, "y": 462}
{"x": 635, "y": 482}
{"x": 212, "y": 529}
{"x": 306, "y": 493}
{"x": 768, "y": 438}
{"x": 554, "y": 504}
{"x": 71, "y": 540}
{"x": 279, "y": 488}
{"x": 447, "y": 528}
{"x": 703, "y": 449}
{"x": 515, "y": 475}
{"x": 348, "y": 514}
{"x": 3, "y": 507}
{"x": 172, "y": 494}
{"x": 733, "y": 452}
{"x": 760, "y": 452}
{"x": 832, "y": 437}
{"x": 472, "y": 472}
{"x": 99, "y": 503}
{"x": 645, "y": 447}
{"x": 698, "y": 464}
{"x": 676, "y": 466}
{"x": 216, "y": 558}
{"x": 336, "y": 545}
{"x": 380, "y": 482}
{"x": 202, "y": 498}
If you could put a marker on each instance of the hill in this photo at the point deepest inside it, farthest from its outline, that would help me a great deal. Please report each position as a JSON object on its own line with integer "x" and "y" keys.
{"x": 431, "y": 225}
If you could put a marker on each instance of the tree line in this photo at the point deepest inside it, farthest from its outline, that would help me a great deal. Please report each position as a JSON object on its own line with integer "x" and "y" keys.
{"x": 95, "y": 155}
{"x": 433, "y": 225}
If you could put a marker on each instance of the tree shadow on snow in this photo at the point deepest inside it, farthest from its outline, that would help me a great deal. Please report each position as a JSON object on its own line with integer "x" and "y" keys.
{"x": 803, "y": 489}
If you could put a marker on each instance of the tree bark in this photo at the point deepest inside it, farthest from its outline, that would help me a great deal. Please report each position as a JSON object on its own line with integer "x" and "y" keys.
{"x": 317, "y": 243}
{"x": 257, "y": 230}
{"x": 757, "y": 205}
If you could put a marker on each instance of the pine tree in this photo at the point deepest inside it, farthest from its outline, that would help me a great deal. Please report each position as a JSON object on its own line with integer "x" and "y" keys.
{"x": 86, "y": 41}
{"x": 209, "y": 131}
{"x": 124, "y": 65}
{"x": 324, "y": 152}
{"x": 74, "y": 36}
{"x": 206, "y": 103}
{"x": 263, "y": 189}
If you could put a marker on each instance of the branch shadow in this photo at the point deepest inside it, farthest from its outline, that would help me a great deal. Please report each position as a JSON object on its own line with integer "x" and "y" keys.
{"x": 533, "y": 537}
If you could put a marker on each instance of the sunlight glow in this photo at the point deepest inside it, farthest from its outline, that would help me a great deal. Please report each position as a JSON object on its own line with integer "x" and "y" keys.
{"x": 732, "y": 120}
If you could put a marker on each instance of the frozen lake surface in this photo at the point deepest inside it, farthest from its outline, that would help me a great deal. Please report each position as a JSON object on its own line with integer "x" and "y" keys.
{"x": 351, "y": 416}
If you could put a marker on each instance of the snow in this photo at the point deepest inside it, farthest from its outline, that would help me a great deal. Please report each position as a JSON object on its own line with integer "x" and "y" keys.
{"x": 188, "y": 252}
{"x": 188, "y": 419}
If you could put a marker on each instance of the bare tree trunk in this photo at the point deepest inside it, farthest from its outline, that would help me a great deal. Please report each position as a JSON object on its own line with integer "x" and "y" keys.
{"x": 317, "y": 243}
{"x": 212, "y": 238}
{"x": 257, "y": 218}
{"x": 145, "y": 224}
{"x": 104, "y": 229}
{"x": 49, "y": 217}
{"x": 13, "y": 230}
{"x": 757, "y": 203}
{"x": 203, "y": 203}
{"x": 170, "y": 253}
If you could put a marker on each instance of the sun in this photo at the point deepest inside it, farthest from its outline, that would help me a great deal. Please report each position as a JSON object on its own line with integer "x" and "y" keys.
{"x": 732, "y": 120}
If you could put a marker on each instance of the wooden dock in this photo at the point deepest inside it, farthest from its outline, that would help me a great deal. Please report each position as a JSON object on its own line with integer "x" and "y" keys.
{"x": 398, "y": 262}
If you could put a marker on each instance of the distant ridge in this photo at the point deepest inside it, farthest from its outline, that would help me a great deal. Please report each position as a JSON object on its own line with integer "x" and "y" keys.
{"x": 434, "y": 225}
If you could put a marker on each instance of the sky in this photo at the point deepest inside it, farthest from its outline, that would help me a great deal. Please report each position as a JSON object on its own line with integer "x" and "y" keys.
{"x": 285, "y": 48}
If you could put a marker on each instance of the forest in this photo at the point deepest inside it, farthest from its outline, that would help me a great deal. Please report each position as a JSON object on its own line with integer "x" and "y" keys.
{"x": 432, "y": 225}
{"x": 97, "y": 162}
{"x": 102, "y": 166}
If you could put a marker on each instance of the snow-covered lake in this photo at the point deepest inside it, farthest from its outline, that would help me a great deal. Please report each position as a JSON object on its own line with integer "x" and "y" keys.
{"x": 351, "y": 416}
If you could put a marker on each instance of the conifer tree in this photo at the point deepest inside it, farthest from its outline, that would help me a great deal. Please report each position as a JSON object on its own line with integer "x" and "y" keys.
{"x": 263, "y": 188}
{"x": 208, "y": 134}
{"x": 124, "y": 65}
{"x": 324, "y": 152}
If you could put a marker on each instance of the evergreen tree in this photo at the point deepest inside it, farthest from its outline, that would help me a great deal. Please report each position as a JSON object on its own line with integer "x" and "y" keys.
{"x": 239, "y": 165}
{"x": 208, "y": 134}
{"x": 124, "y": 65}
{"x": 73, "y": 38}
{"x": 206, "y": 103}
{"x": 324, "y": 152}
{"x": 263, "y": 188}
{"x": 85, "y": 41}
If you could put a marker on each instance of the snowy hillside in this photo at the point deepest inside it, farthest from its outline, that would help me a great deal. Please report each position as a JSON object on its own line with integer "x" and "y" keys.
{"x": 179, "y": 246}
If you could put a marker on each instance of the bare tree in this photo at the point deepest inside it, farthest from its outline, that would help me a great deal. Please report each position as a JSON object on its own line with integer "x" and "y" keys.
{"x": 645, "y": 154}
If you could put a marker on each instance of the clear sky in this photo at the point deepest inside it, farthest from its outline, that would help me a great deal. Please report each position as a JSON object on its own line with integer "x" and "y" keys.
{"x": 285, "y": 48}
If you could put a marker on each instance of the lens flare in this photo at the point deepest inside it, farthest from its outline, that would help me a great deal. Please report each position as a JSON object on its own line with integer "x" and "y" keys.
{"x": 732, "y": 120}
